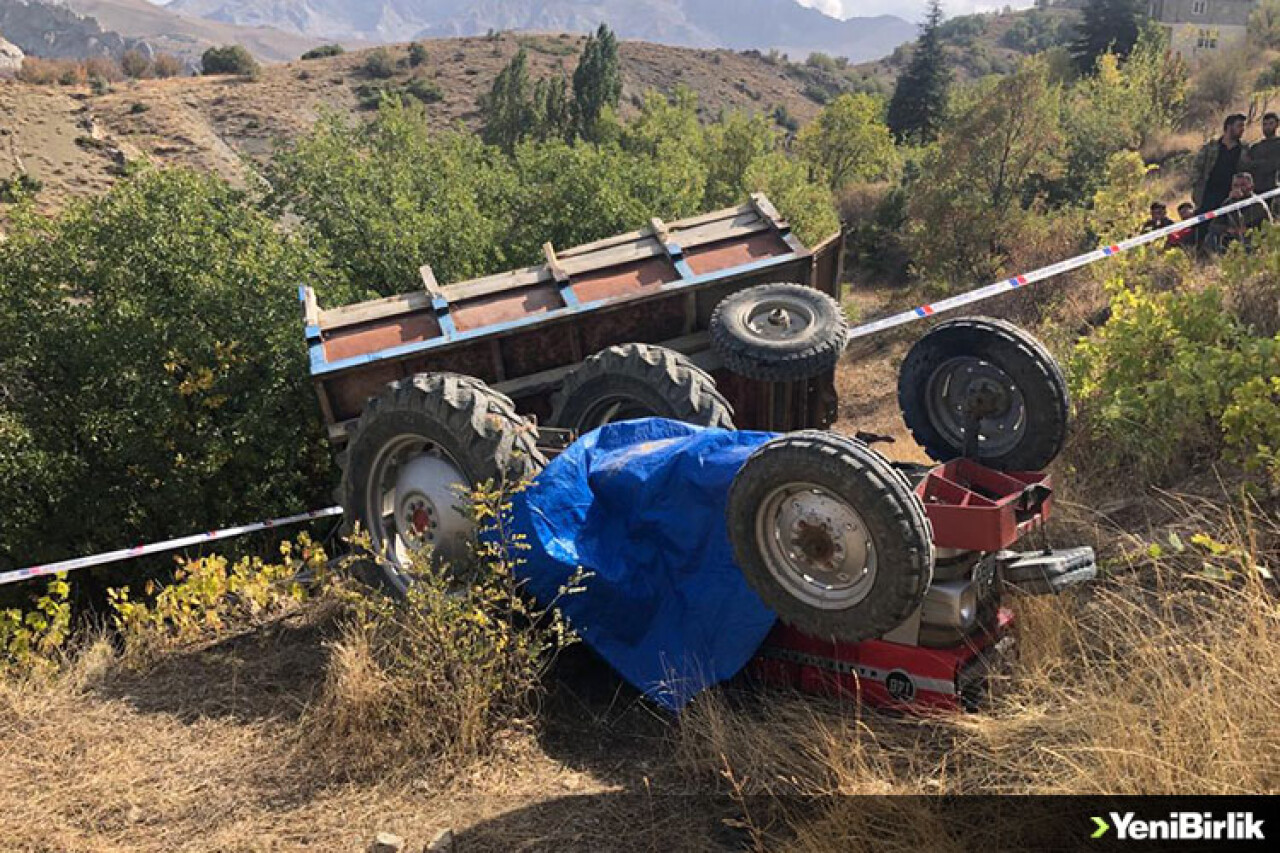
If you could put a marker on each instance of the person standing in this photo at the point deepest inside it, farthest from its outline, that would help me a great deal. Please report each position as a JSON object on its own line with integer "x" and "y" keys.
{"x": 1264, "y": 155}
{"x": 1217, "y": 163}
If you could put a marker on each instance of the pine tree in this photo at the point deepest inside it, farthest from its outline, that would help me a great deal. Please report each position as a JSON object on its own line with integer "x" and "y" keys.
{"x": 552, "y": 109}
{"x": 507, "y": 110}
{"x": 597, "y": 81}
{"x": 920, "y": 98}
{"x": 1107, "y": 25}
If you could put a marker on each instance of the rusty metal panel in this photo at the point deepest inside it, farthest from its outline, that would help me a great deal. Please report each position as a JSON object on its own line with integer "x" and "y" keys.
{"x": 475, "y": 359}
{"x": 649, "y": 322}
{"x": 538, "y": 350}
{"x": 505, "y": 307}
{"x": 633, "y": 279}
{"x": 348, "y": 393}
{"x": 828, "y": 265}
{"x": 380, "y": 335}
{"x": 727, "y": 254}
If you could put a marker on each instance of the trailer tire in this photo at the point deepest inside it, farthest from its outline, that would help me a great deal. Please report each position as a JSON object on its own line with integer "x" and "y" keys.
{"x": 830, "y": 536}
{"x": 428, "y": 431}
{"x": 633, "y": 381}
{"x": 1027, "y": 434}
{"x": 779, "y": 332}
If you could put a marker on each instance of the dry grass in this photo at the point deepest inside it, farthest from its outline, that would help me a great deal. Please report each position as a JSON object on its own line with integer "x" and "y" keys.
{"x": 1159, "y": 679}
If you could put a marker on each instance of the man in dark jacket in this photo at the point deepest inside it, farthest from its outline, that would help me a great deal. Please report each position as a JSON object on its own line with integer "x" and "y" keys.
{"x": 1264, "y": 155}
{"x": 1217, "y": 163}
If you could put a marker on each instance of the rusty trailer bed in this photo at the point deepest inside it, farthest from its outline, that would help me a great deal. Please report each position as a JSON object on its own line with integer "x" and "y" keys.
{"x": 523, "y": 331}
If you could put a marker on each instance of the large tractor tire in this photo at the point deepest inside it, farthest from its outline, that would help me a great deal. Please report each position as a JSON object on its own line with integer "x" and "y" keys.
{"x": 634, "y": 381}
{"x": 779, "y": 332}
{"x": 1013, "y": 380}
{"x": 830, "y": 536}
{"x": 420, "y": 447}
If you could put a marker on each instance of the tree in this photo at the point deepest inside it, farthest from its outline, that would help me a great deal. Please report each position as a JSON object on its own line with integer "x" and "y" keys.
{"x": 135, "y": 64}
{"x": 920, "y": 97}
{"x": 552, "y": 109}
{"x": 508, "y": 111}
{"x": 1002, "y": 141}
{"x": 1264, "y": 24}
{"x": 151, "y": 380}
{"x": 1106, "y": 26}
{"x": 597, "y": 81}
{"x": 229, "y": 59}
{"x": 849, "y": 141}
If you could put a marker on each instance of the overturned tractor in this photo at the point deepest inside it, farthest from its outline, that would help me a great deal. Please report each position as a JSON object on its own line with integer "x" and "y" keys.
{"x": 887, "y": 579}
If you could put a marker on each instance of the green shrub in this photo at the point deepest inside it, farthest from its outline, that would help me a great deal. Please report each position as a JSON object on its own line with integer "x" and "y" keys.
{"x": 230, "y": 59}
{"x": 21, "y": 186}
{"x": 32, "y": 639}
{"x": 152, "y": 373}
{"x": 323, "y": 51}
{"x": 135, "y": 64}
{"x": 422, "y": 89}
{"x": 138, "y": 108}
{"x": 379, "y": 64}
{"x": 1172, "y": 379}
{"x": 417, "y": 54}
{"x": 211, "y": 595}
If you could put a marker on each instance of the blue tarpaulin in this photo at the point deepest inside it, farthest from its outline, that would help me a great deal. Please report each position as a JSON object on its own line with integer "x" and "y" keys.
{"x": 638, "y": 508}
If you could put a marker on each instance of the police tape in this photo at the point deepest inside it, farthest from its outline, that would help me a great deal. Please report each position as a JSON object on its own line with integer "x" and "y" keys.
{"x": 164, "y": 547}
{"x": 1019, "y": 281}
{"x": 950, "y": 304}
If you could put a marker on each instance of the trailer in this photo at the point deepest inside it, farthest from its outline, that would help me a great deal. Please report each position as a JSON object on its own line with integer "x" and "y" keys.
{"x": 525, "y": 332}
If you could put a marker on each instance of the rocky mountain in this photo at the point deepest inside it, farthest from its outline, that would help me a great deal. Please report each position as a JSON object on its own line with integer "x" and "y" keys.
{"x": 737, "y": 24}
{"x": 10, "y": 57}
{"x": 77, "y": 29}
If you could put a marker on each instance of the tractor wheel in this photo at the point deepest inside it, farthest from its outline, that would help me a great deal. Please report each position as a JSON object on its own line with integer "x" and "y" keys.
{"x": 830, "y": 536}
{"x": 420, "y": 447}
{"x": 996, "y": 365}
{"x": 779, "y": 332}
{"x": 634, "y": 381}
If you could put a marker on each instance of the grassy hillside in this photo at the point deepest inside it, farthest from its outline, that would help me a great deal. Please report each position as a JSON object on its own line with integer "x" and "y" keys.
{"x": 213, "y": 122}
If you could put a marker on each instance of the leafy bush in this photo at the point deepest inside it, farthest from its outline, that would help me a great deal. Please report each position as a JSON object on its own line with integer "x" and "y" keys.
{"x": 152, "y": 377}
{"x": 20, "y": 187}
{"x": 323, "y": 51}
{"x": 210, "y": 595}
{"x": 135, "y": 64}
{"x": 444, "y": 675}
{"x": 379, "y": 64}
{"x": 168, "y": 65}
{"x": 230, "y": 59}
{"x": 31, "y": 639}
{"x": 391, "y": 194}
{"x": 1169, "y": 380}
{"x": 417, "y": 54}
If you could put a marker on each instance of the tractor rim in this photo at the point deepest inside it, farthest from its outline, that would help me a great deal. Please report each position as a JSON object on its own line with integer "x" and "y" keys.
{"x": 816, "y": 546}
{"x": 954, "y": 385}
{"x": 778, "y": 320}
{"x": 413, "y": 501}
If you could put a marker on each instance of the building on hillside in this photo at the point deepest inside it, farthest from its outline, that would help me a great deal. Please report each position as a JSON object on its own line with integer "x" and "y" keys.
{"x": 1199, "y": 29}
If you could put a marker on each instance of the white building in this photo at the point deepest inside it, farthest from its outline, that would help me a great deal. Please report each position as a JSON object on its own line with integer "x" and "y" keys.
{"x": 1199, "y": 29}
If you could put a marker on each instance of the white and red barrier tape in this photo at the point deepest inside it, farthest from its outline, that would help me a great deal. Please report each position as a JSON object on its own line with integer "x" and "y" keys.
{"x": 164, "y": 547}
{"x": 1019, "y": 281}
{"x": 920, "y": 313}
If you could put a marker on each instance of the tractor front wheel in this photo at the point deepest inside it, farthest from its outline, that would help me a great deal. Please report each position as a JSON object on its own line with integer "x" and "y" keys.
{"x": 830, "y": 536}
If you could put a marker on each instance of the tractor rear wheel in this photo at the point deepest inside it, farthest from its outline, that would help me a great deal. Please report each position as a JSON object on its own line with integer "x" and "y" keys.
{"x": 634, "y": 381}
{"x": 830, "y": 536}
{"x": 420, "y": 448}
{"x": 979, "y": 361}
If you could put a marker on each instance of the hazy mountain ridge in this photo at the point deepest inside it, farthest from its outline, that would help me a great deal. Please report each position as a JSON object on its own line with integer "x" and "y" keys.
{"x": 736, "y": 24}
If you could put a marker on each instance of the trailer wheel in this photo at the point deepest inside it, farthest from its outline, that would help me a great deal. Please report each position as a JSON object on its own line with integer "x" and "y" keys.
{"x": 634, "y": 381}
{"x": 995, "y": 365}
{"x": 830, "y": 536}
{"x": 420, "y": 446}
{"x": 779, "y": 332}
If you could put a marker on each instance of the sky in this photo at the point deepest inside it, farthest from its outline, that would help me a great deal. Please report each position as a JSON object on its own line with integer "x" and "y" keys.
{"x": 912, "y": 10}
